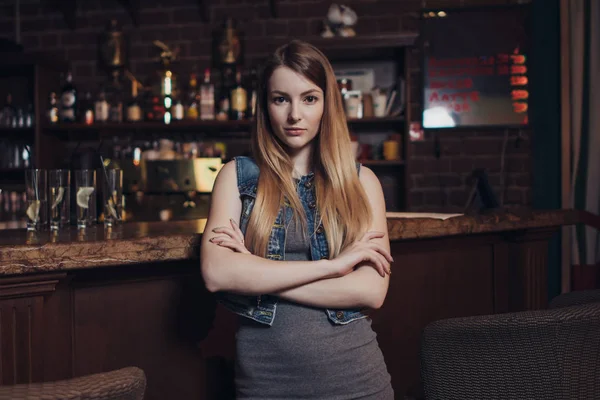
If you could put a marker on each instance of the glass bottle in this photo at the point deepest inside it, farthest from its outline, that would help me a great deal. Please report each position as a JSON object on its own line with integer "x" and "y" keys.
{"x": 9, "y": 113}
{"x": 53, "y": 109}
{"x": 238, "y": 99}
{"x": 134, "y": 110}
{"x": 115, "y": 99}
{"x": 192, "y": 108}
{"x": 178, "y": 110}
{"x": 101, "y": 107}
{"x": 68, "y": 100}
{"x": 87, "y": 109}
{"x": 207, "y": 97}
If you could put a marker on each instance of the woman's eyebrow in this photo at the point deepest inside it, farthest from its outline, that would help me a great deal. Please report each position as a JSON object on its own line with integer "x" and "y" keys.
{"x": 301, "y": 94}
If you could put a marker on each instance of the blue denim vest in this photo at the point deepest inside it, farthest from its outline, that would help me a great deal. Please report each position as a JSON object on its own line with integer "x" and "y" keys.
{"x": 263, "y": 308}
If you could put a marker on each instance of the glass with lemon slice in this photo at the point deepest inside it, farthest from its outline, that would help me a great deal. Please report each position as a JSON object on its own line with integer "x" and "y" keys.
{"x": 59, "y": 188}
{"x": 35, "y": 192}
{"x": 85, "y": 197}
{"x": 112, "y": 194}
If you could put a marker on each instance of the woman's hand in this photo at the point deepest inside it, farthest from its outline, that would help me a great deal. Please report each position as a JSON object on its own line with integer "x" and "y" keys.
{"x": 231, "y": 238}
{"x": 363, "y": 251}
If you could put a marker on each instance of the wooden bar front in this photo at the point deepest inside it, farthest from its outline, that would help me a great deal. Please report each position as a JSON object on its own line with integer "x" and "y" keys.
{"x": 71, "y": 306}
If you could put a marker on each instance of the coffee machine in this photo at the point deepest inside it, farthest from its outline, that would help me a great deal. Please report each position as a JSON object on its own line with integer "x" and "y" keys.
{"x": 163, "y": 190}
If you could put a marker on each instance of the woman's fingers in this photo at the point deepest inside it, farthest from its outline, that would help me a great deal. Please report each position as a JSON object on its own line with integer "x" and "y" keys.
{"x": 226, "y": 230}
{"x": 381, "y": 250}
{"x": 230, "y": 244}
{"x": 236, "y": 227}
{"x": 378, "y": 262}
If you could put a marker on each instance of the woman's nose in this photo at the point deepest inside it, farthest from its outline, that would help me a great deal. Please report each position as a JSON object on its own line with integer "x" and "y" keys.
{"x": 294, "y": 114}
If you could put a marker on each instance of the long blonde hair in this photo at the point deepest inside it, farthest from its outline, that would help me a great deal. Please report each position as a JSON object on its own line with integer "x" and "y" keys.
{"x": 340, "y": 198}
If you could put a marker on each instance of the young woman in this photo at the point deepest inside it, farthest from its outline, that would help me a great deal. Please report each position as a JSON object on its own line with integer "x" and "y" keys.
{"x": 311, "y": 249}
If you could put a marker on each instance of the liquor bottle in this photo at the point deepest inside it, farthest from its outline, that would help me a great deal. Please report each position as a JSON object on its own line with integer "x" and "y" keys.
{"x": 68, "y": 100}
{"x": 238, "y": 99}
{"x": 134, "y": 110}
{"x": 9, "y": 114}
{"x": 178, "y": 111}
{"x": 29, "y": 116}
{"x": 192, "y": 111}
{"x": 53, "y": 109}
{"x": 207, "y": 97}
{"x": 101, "y": 108}
{"x": 115, "y": 99}
{"x": 87, "y": 109}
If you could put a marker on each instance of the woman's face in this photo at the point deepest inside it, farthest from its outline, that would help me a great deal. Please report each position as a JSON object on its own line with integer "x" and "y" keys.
{"x": 295, "y": 107}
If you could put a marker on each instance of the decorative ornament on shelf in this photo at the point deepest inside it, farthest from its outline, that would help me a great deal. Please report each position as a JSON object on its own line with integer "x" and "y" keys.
{"x": 340, "y": 21}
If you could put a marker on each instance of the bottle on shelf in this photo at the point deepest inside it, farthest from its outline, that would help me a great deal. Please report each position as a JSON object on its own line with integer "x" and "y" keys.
{"x": 87, "y": 109}
{"x": 192, "y": 108}
{"x": 207, "y": 97}
{"x": 167, "y": 94}
{"x": 134, "y": 110}
{"x": 9, "y": 114}
{"x": 53, "y": 108}
{"x": 68, "y": 100}
{"x": 29, "y": 116}
{"x": 178, "y": 110}
{"x": 115, "y": 99}
{"x": 101, "y": 107}
{"x": 238, "y": 99}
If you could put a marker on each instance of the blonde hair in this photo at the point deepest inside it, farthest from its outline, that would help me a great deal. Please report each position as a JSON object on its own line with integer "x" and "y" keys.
{"x": 340, "y": 198}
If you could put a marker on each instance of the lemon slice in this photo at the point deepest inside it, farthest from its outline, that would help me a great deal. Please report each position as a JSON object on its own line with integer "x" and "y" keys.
{"x": 83, "y": 196}
{"x": 33, "y": 211}
{"x": 59, "y": 196}
{"x": 111, "y": 209}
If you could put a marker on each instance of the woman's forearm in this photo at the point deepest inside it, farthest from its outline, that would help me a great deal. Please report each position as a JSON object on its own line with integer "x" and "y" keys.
{"x": 361, "y": 288}
{"x": 224, "y": 270}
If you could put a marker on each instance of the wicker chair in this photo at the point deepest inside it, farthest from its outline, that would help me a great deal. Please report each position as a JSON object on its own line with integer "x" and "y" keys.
{"x": 546, "y": 354}
{"x": 123, "y": 384}
{"x": 575, "y": 298}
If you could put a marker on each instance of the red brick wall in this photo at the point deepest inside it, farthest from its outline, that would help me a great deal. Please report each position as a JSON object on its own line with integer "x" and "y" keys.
{"x": 434, "y": 184}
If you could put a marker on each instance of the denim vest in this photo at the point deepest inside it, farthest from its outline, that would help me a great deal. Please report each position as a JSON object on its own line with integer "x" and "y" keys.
{"x": 263, "y": 308}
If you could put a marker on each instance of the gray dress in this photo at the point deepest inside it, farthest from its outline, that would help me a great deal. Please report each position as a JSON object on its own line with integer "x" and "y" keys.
{"x": 305, "y": 356}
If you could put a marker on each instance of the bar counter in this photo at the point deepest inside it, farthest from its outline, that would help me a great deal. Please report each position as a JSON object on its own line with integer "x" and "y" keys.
{"x": 78, "y": 303}
{"x": 23, "y": 252}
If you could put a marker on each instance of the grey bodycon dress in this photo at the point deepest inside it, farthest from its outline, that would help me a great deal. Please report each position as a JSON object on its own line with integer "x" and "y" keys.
{"x": 305, "y": 356}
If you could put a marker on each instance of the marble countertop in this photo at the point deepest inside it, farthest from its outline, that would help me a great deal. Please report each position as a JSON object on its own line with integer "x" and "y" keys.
{"x": 24, "y": 252}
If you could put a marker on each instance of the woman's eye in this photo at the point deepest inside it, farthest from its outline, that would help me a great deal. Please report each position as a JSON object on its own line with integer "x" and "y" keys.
{"x": 278, "y": 100}
{"x": 311, "y": 99}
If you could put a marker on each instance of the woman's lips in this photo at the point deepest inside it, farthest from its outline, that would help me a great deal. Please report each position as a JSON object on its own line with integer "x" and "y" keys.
{"x": 294, "y": 131}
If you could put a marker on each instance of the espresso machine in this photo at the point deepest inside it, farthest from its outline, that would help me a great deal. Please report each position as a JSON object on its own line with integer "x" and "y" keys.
{"x": 164, "y": 190}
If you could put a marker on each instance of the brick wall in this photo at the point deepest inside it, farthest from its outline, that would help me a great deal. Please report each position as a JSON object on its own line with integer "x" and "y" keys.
{"x": 435, "y": 185}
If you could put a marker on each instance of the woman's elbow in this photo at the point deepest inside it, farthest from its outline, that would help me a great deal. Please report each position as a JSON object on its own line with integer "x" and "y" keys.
{"x": 208, "y": 275}
{"x": 376, "y": 299}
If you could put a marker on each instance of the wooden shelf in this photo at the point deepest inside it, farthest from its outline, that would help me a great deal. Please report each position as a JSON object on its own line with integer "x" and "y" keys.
{"x": 382, "y": 163}
{"x": 212, "y": 128}
{"x": 19, "y": 134}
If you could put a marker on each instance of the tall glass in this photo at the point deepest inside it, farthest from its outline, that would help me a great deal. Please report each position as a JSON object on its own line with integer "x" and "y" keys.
{"x": 112, "y": 194}
{"x": 85, "y": 196}
{"x": 36, "y": 189}
{"x": 59, "y": 191}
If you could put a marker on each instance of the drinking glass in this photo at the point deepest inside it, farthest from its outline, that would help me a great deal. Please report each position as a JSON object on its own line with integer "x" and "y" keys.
{"x": 36, "y": 190}
{"x": 85, "y": 197}
{"x": 112, "y": 194}
{"x": 59, "y": 191}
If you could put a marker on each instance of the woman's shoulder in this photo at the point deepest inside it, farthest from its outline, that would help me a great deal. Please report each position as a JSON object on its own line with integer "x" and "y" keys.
{"x": 368, "y": 178}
